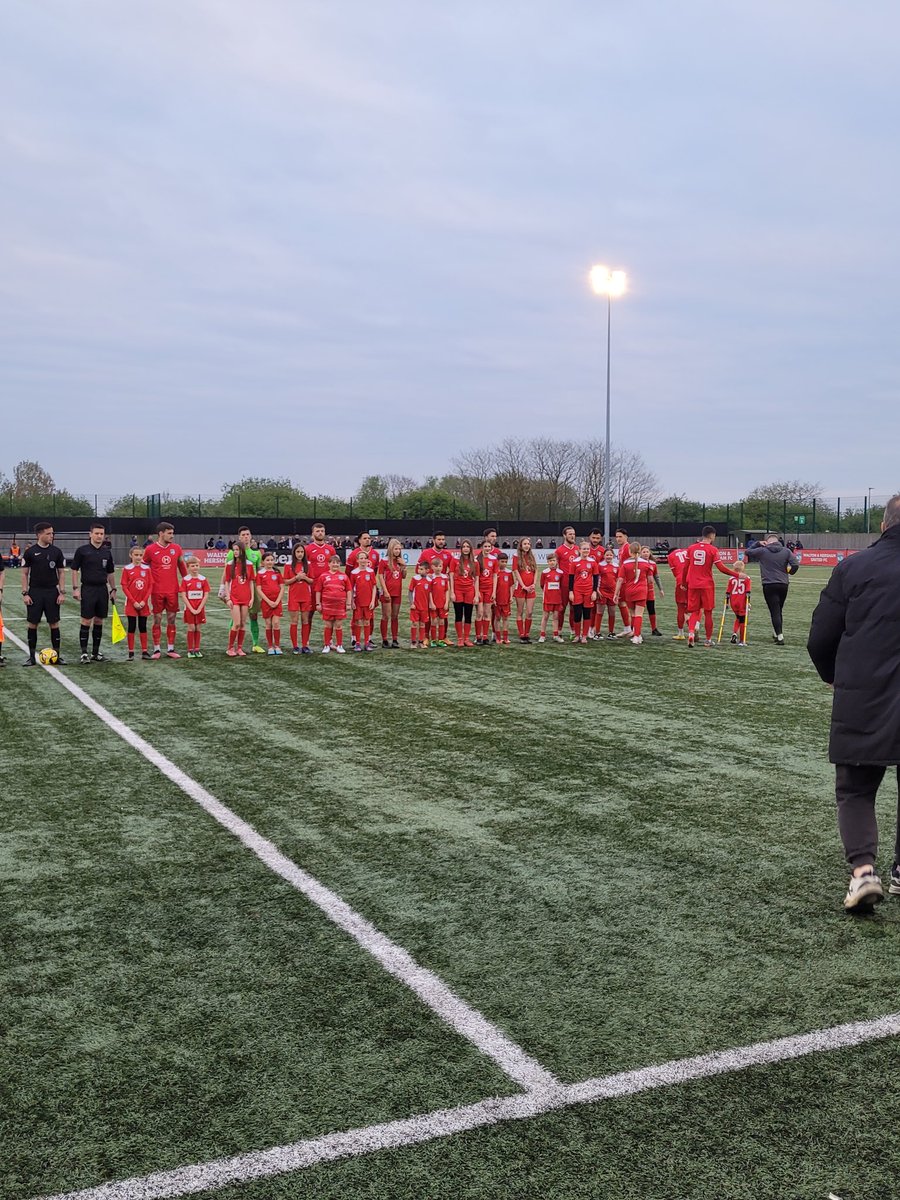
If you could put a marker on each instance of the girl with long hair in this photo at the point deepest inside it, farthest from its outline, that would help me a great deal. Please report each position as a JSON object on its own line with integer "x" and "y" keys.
{"x": 391, "y": 573}
{"x": 240, "y": 590}
{"x": 463, "y": 571}
{"x": 524, "y": 574}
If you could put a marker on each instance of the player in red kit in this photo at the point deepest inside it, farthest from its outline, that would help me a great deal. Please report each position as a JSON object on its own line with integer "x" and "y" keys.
{"x": 196, "y": 593}
{"x": 738, "y": 593}
{"x": 503, "y": 597}
{"x": 623, "y": 553}
{"x": 363, "y": 552}
{"x": 463, "y": 572}
{"x": 654, "y": 584}
{"x": 438, "y": 550}
{"x": 364, "y": 579}
{"x": 240, "y": 589}
{"x": 440, "y": 595}
{"x": 632, "y": 590}
{"x": 566, "y": 551}
{"x": 486, "y": 564}
{"x": 391, "y": 573}
{"x": 677, "y": 560}
{"x": 582, "y": 591}
{"x": 318, "y": 555}
{"x": 271, "y": 595}
{"x": 525, "y": 591}
{"x": 137, "y": 582}
{"x": 420, "y": 606}
{"x": 333, "y": 591}
{"x": 607, "y": 574}
{"x": 553, "y": 585}
{"x": 165, "y": 558}
{"x": 300, "y": 598}
{"x": 698, "y": 578}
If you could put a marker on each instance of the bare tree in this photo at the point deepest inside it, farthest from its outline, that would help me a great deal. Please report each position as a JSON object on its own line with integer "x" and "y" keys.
{"x": 555, "y": 464}
{"x": 634, "y": 484}
{"x": 794, "y": 491}
{"x": 398, "y": 485}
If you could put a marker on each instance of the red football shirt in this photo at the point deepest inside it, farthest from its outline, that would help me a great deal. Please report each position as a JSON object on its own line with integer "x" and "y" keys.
{"x": 300, "y": 592}
{"x": 333, "y": 587}
{"x": 195, "y": 587}
{"x": 582, "y": 572}
{"x": 564, "y": 555}
{"x": 446, "y": 556}
{"x": 487, "y": 569}
{"x": 392, "y": 578}
{"x": 440, "y": 589}
{"x": 364, "y": 586}
{"x": 608, "y": 573}
{"x": 504, "y": 586}
{"x": 166, "y": 564}
{"x": 701, "y": 558}
{"x": 372, "y": 554}
{"x": 552, "y": 586}
{"x": 419, "y": 593}
{"x": 317, "y": 559}
{"x": 136, "y": 582}
{"x": 269, "y": 583}
{"x": 738, "y": 585}
{"x": 677, "y": 560}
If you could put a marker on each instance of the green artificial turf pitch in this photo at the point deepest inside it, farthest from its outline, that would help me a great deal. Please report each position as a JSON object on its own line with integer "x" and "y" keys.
{"x": 619, "y": 855}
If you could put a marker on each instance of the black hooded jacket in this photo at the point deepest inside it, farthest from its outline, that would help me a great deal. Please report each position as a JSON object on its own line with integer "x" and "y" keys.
{"x": 854, "y": 642}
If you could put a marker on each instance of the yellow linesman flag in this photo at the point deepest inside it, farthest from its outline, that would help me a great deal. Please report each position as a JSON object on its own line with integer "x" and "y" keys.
{"x": 118, "y": 629}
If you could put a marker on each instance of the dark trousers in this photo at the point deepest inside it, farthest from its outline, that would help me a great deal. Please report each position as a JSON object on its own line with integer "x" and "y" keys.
{"x": 856, "y": 786}
{"x": 775, "y": 595}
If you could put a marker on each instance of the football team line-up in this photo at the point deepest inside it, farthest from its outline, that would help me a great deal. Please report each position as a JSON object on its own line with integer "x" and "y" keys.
{"x": 479, "y": 586}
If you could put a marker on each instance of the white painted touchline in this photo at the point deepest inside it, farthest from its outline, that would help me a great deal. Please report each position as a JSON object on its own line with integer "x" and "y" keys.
{"x": 430, "y": 989}
{"x": 280, "y": 1160}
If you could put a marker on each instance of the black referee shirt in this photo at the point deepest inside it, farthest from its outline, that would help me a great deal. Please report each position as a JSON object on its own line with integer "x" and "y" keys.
{"x": 95, "y": 565}
{"x": 43, "y": 562}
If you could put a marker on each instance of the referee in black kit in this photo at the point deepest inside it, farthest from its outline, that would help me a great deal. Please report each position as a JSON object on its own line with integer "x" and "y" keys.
{"x": 94, "y": 562}
{"x": 43, "y": 588}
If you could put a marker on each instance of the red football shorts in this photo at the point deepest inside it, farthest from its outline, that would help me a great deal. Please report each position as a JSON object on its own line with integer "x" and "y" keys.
{"x": 194, "y": 618}
{"x": 701, "y": 598}
{"x": 302, "y": 606}
{"x": 501, "y": 610}
{"x": 420, "y": 616}
{"x": 681, "y": 593}
{"x": 738, "y": 605}
{"x": 270, "y": 610}
{"x": 332, "y": 613}
{"x": 634, "y": 595}
{"x": 167, "y": 603}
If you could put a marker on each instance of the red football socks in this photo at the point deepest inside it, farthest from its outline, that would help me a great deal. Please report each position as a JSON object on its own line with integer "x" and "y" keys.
{"x": 528, "y": 626}
{"x": 637, "y": 625}
{"x": 652, "y": 617}
{"x": 339, "y": 635}
{"x": 131, "y": 643}
{"x": 276, "y": 633}
{"x": 240, "y": 638}
{"x": 157, "y": 632}
{"x": 326, "y": 635}
{"x": 232, "y": 638}
{"x": 170, "y": 636}
{"x": 293, "y": 632}
{"x": 708, "y": 620}
{"x": 304, "y": 633}
{"x": 384, "y": 629}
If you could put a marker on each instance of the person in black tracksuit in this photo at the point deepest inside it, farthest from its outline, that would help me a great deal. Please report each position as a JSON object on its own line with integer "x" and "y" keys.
{"x": 776, "y": 562}
{"x": 94, "y": 562}
{"x": 854, "y": 643}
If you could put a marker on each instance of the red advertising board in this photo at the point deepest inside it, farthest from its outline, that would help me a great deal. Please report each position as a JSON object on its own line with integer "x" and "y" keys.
{"x": 209, "y": 558}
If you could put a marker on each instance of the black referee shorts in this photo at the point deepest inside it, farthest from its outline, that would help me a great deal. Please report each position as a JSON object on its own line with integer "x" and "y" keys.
{"x": 44, "y": 603}
{"x": 95, "y": 602}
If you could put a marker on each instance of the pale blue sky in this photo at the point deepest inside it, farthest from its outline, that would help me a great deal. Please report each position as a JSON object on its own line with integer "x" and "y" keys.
{"x": 329, "y": 239}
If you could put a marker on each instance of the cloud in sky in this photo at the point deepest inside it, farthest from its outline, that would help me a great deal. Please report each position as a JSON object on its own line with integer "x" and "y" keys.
{"x": 327, "y": 240}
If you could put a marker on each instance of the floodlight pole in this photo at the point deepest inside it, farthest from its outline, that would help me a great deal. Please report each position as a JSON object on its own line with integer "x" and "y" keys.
{"x": 606, "y": 472}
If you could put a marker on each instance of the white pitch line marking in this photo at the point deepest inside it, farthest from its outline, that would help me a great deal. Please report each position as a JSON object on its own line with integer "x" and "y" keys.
{"x": 281, "y": 1160}
{"x": 431, "y": 990}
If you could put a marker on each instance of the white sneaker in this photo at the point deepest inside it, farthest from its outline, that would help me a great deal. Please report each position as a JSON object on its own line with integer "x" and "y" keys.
{"x": 542, "y": 638}
{"x": 626, "y": 633}
{"x": 340, "y": 650}
{"x": 637, "y": 640}
{"x": 557, "y": 637}
{"x": 864, "y": 891}
{"x": 326, "y": 649}
{"x": 591, "y": 635}
{"x": 271, "y": 650}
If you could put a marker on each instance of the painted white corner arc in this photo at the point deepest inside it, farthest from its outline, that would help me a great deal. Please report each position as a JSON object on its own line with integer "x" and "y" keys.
{"x": 431, "y": 990}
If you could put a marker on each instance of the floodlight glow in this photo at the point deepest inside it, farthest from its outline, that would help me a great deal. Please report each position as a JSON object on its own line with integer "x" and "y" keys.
{"x": 606, "y": 282}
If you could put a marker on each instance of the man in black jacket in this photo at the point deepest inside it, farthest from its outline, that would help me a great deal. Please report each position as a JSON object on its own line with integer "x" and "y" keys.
{"x": 854, "y": 643}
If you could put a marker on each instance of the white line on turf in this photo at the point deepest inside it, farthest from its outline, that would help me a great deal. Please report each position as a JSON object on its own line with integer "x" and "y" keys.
{"x": 430, "y": 989}
{"x": 280, "y": 1160}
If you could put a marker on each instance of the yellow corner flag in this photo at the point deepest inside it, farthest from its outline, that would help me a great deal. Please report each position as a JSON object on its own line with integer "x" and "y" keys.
{"x": 118, "y": 629}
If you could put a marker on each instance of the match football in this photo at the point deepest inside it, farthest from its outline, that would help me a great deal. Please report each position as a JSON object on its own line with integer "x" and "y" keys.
{"x": 449, "y": 603}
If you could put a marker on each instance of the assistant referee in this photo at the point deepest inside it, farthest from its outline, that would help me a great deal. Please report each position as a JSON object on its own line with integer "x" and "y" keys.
{"x": 94, "y": 562}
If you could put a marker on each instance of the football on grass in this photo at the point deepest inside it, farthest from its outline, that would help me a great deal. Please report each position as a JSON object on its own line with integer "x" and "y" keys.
{"x": 48, "y": 657}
